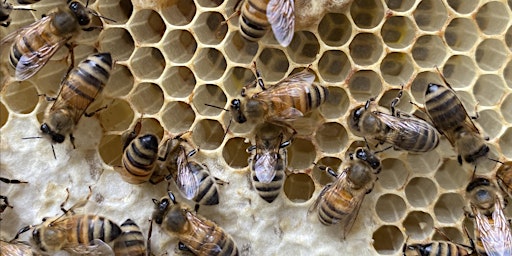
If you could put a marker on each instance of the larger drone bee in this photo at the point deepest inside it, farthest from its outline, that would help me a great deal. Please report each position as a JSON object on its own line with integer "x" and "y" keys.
{"x": 15, "y": 248}
{"x": 492, "y": 232}
{"x": 339, "y": 202}
{"x": 5, "y": 200}
{"x": 268, "y": 161}
{"x": 78, "y": 90}
{"x": 5, "y": 11}
{"x": 438, "y": 248}
{"x": 196, "y": 234}
{"x": 35, "y": 44}
{"x": 282, "y": 103}
{"x": 504, "y": 178}
{"x": 258, "y": 15}
{"x": 402, "y": 131}
{"x": 451, "y": 119}
{"x": 131, "y": 241}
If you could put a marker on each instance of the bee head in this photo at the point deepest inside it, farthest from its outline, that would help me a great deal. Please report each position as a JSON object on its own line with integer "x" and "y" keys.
{"x": 58, "y": 138}
{"x": 366, "y": 156}
{"x": 161, "y": 208}
{"x": 236, "y": 110}
{"x": 81, "y": 12}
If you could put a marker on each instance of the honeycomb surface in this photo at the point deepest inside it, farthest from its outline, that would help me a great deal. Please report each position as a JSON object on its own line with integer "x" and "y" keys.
{"x": 172, "y": 57}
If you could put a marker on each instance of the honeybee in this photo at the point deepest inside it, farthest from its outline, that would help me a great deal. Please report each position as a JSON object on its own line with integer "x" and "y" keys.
{"x": 402, "y": 131}
{"x": 36, "y": 43}
{"x": 196, "y": 234}
{"x": 15, "y": 248}
{"x": 339, "y": 201}
{"x": 504, "y": 178}
{"x": 268, "y": 161}
{"x": 438, "y": 248}
{"x": 451, "y": 119}
{"x": 258, "y": 15}
{"x": 286, "y": 101}
{"x": 131, "y": 241}
{"x": 5, "y": 10}
{"x": 492, "y": 232}
{"x": 78, "y": 90}
{"x": 6, "y": 204}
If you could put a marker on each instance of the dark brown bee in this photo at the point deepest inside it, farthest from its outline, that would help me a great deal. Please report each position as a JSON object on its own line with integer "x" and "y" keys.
{"x": 339, "y": 202}
{"x": 504, "y": 178}
{"x": 6, "y": 204}
{"x": 268, "y": 161}
{"x": 131, "y": 241}
{"x": 438, "y": 248}
{"x": 196, "y": 234}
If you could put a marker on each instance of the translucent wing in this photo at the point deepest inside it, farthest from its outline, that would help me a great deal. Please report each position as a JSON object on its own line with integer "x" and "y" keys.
{"x": 326, "y": 189}
{"x": 205, "y": 233}
{"x": 186, "y": 180}
{"x": 350, "y": 219}
{"x": 496, "y": 236}
{"x": 280, "y": 14}
{"x": 98, "y": 247}
{"x": 265, "y": 166}
{"x": 15, "y": 248}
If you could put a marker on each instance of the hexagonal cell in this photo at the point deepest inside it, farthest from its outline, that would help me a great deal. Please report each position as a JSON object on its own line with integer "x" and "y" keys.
{"x": 506, "y": 106}
{"x": 403, "y": 105}
{"x": 366, "y": 49}
{"x": 4, "y": 114}
{"x": 208, "y": 29}
{"x": 235, "y": 154}
{"x": 505, "y": 145}
{"x": 120, "y": 82}
{"x": 331, "y": 137}
{"x": 367, "y": 13}
{"x": 208, "y": 134}
{"x": 334, "y": 29}
{"x": 21, "y": 97}
{"x": 177, "y": 117}
{"x": 304, "y": 47}
{"x": 388, "y": 240}
{"x": 507, "y": 74}
{"x": 321, "y": 177}
{"x": 334, "y": 66}
{"x": 209, "y": 94}
{"x": 492, "y": 18}
{"x": 118, "y": 42}
{"x": 209, "y": 3}
{"x": 178, "y": 81}
{"x": 460, "y": 71}
{"x": 117, "y": 116}
{"x": 430, "y": 15}
{"x": 240, "y": 50}
{"x": 449, "y": 208}
{"x": 179, "y": 46}
{"x": 461, "y": 34}
{"x": 397, "y": 68}
{"x": 461, "y": 6}
{"x": 489, "y": 89}
{"x": 147, "y": 63}
{"x": 237, "y": 78}
{"x": 425, "y": 162}
{"x": 420, "y": 192}
{"x": 298, "y": 187}
{"x": 390, "y": 207}
{"x": 147, "y": 27}
{"x": 429, "y": 51}
{"x": 336, "y": 104}
{"x": 209, "y": 64}
{"x": 418, "y": 225}
{"x": 397, "y": 33}
{"x": 399, "y": 5}
{"x": 110, "y": 149}
{"x": 147, "y": 98}
{"x": 452, "y": 233}
{"x": 364, "y": 84}
{"x": 451, "y": 175}
{"x": 491, "y": 54}
{"x": 301, "y": 154}
{"x": 273, "y": 64}
{"x": 394, "y": 174}
{"x": 180, "y": 12}
{"x": 151, "y": 125}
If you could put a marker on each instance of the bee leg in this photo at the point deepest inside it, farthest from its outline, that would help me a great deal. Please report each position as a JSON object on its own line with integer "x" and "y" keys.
{"x": 396, "y": 100}
{"x": 72, "y": 140}
{"x": 95, "y": 111}
{"x": 467, "y": 213}
{"x": 220, "y": 182}
{"x": 477, "y": 115}
{"x": 5, "y": 24}
{"x": 8, "y": 181}
{"x": 47, "y": 98}
{"x": 250, "y": 149}
{"x": 459, "y": 159}
{"x": 6, "y": 203}
{"x": 259, "y": 79}
{"x": 150, "y": 231}
{"x": 196, "y": 208}
{"x": 21, "y": 231}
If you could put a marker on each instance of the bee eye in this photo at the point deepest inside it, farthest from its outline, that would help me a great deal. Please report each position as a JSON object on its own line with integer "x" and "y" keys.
{"x": 73, "y": 6}
{"x": 235, "y": 104}
{"x": 361, "y": 154}
{"x": 358, "y": 113}
{"x": 45, "y": 128}
{"x": 84, "y": 21}
{"x": 59, "y": 138}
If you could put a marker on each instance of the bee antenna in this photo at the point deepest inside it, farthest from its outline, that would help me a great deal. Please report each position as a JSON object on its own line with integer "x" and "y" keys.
{"x": 21, "y": 231}
{"x": 102, "y": 17}
{"x": 53, "y": 150}
{"x": 23, "y": 9}
{"x": 29, "y": 138}
{"x": 495, "y": 160}
{"x": 213, "y": 106}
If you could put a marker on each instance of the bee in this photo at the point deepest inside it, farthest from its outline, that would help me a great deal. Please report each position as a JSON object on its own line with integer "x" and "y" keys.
{"x": 6, "y": 204}
{"x": 438, "y": 248}
{"x": 36, "y": 43}
{"x": 286, "y": 101}
{"x": 5, "y": 10}
{"x": 402, "y": 131}
{"x": 268, "y": 161}
{"x": 131, "y": 241}
{"x": 492, "y": 232}
{"x": 15, "y": 248}
{"x": 451, "y": 119}
{"x": 258, "y": 15}
{"x": 78, "y": 90}
{"x": 504, "y": 178}
{"x": 196, "y": 234}
{"x": 339, "y": 201}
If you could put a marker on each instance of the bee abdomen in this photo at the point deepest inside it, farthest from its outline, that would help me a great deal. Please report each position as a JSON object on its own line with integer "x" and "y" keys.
{"x": 269, "y": 191}
{"x": 139, "y": 159}
{"x": 91, "y": 227}
{"x": 440, "y": 248}
{"x": 253, "y": 19}
{"x": 131, "y": 241}
{"x": 331, "y": 213}
{"x": 443, "y": 106}
{"x": 315, "y": 96}
{"x": 207, "y": 191}
{"x": 228, "y": 246}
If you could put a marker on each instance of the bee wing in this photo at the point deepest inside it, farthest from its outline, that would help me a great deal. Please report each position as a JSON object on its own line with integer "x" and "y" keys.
{"x": 350, "y": 219}
{"x": 265, "y": 167}
{"x": 496, "y": 237}
{"x": 98, "y": 247}
{"x": 204, "y": 234}
{"x": 406, "y": 126}
{"x": 15, "y": 248}
{"x": 320, "y": 197}
{"x": 280, "y": 14}
{"x": 186, "y": 180}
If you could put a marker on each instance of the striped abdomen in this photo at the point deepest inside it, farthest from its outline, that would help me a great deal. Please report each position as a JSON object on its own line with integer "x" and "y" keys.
{"x": 253, "y": 19}
{"x": 504, "y": 178}
{"x": 269, "y": 191}
{"x": 440, "y": 248}
{"x": 336, "y": 204}
{"x": 207, "y": 192}
{"x": 444, "y": 108}
{"x": 420, "y": 137}
{"x": 314, "y": 95}
{"x": 131, "y": 241}
{"x": 139, "y": 159}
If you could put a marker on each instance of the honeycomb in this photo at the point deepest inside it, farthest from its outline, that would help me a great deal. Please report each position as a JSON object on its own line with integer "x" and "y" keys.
{"x": 172, "y": 57}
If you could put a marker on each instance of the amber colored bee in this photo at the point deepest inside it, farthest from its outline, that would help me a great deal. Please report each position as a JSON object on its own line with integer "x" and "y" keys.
{"x": 6, "y": 204}
{"x": 196, "y": 234}
{"x": 257, "y": 16}
{"x": 339, "y": 201}
{"x": 504, "y": 178}
{"x": 286, "y": 101}
{"x": 492, "y": 232}
{"x": 131, "y": 241}
{"x": 5, "y": 11}
{"x": 15, "y": 248}
{"x": 268, "y": 161}
{"x": 78, "y": 90}
{"x": 438, "y": 248}
{"x": 402, "y": 131}
{"x": 36, "y": 43}
{"x": 451, "y": 119}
